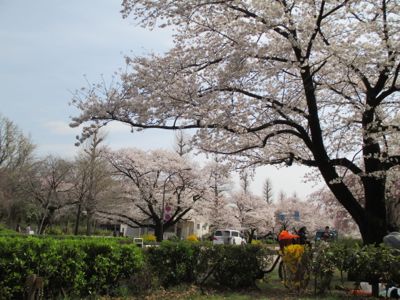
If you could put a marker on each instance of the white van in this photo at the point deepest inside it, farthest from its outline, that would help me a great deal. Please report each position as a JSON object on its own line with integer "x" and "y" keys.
{"x": 228, "y": 236}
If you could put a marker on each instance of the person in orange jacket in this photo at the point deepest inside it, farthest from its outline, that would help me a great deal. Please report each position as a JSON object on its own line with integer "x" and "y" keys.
{"x": 286, "y": 238}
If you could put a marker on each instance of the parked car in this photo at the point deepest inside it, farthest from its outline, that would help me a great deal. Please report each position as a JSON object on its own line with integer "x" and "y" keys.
{"x": 228, "y": 236}
{"x": 333, "y": 235}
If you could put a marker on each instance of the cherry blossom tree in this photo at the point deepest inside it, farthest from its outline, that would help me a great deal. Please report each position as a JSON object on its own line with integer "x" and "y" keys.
{"x": 47, "y": 183}
{"x": 151, "y": 182}
{"x": 252, "y": 213}
{"x": 272, "y": 82}
{"x": 293, "y": 213}
{"x": 328, "y": 208}
{"x": 90, "y": 181}
{"x": 218, "y": 181}
{"x": 393, "y": 199}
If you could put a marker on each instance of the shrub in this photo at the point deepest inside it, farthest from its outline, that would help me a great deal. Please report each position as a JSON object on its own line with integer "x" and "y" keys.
{"x": 69, "y": 266}
{"x": 185, "y": 262}
{"x": 54, "y": 231}
{"x": 296, "y": 260}
{"x": 256, "y": 242}
{"x": 234, "y": 266}
{"x": 374, "y": 264}
{"x": 174, "y": 238}
{"x": 143, "y": 281}
{"x": 174, "y": 263}
{"x": 324, "y": 261}
{"x": 149, "y": 237}
{"x": 6, "y": 231}
{"x": 369, "y": 263}
{"x": 192, "y": 238}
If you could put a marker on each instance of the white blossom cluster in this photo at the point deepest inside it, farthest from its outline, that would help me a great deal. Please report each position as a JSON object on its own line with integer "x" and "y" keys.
{"x": 313, "y": 82}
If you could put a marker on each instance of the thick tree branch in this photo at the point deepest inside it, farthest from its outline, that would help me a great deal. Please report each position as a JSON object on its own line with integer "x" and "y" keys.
{"x": 121, "y": 217}
{"x": 344, "y": 162}
{"x": 363, "y": 78}
{"x": 316, "y": 29}
{"x": 259, "y": 97}
{"x": 391, "y": 162}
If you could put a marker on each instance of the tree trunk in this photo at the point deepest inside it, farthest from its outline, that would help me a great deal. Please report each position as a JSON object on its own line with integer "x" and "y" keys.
{"x": 66, "y": 230}
{"x": 374, "y": 226}
{"x": 89, "y": 227}
{"x": 46, "y": 219}
{"x": 251, "y": 235}
{"x": 370, "y": 219}
{"x": 90, "y": 209}
{"x": 43, "y": 224}
{"x": 77, "y": 221}
{"x": 159, "y": 232}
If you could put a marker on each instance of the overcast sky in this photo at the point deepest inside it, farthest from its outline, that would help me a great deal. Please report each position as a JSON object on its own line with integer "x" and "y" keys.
{"x": 49, "y": 48}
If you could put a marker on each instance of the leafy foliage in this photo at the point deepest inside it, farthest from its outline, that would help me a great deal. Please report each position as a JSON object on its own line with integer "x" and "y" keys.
{"x": 81, "y": 267}
{"x": 374, "y": 264}
{"x": 229, "y": 266}
{"x": 324, "y": 263}
{"x": 239, "y": 267}
{"x": 369, "y": 263}
{"x": 173, "y": 262}
{"x": 77, "y": 267}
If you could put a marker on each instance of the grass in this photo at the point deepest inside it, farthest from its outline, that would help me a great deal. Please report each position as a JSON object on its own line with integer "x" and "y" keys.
{"x": 270, "y": 288}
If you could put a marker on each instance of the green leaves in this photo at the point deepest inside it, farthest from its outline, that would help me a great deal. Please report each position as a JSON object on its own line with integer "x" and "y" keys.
{"x": 77, "y": 267}
{"x": 375, "y": 263}
{"x": 233, "y": 266}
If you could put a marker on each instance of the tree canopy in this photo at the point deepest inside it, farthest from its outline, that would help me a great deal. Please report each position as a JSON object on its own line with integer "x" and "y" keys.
{"x": 152, "y": 181}
{"x": 272, "y": 82}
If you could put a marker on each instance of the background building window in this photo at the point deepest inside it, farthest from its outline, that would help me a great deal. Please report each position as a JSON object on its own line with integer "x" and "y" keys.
{"x": 296, "y": 215}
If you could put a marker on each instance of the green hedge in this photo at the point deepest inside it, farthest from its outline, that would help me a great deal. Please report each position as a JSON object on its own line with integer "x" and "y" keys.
{"x": 239, "y": 267}
{"x": 84, "y": 267}
{"x": 173, "y": 262}
{"x": 373, "y": 264}
{"x": 185, "y": 262}
{"x": 91, "y": 266}
{"x": 362, "y": 263}
{"x": 74, "y": 267}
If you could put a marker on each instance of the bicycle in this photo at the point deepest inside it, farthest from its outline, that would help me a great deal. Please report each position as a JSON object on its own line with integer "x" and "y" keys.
{"x": 277, "y": 261}
{"x": 297, "y": 276}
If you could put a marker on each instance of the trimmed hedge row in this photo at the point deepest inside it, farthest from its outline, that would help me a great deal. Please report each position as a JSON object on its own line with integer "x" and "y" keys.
{"x": 83, "y": 267}
{"x": 373, "y": 264}
{"x": 361, "y": 263}
{"x": 70, "y": 267}
{"x": 239, "y": 267}
{"x": 229, "y": 266}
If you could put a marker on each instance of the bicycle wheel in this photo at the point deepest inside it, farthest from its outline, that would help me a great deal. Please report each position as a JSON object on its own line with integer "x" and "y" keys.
{"x": 306, "y": 276}
{"x": 283, "y": 274}
{"x": 298, "y": 280}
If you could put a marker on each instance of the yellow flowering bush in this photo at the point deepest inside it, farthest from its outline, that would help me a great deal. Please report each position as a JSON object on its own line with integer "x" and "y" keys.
{"x": 292, "y": 255}
{"x": 192, "y": 238}
{"x": 296, "y": 269}
{"x": 256, "y": 242}
{"x": 149, "y": 237}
